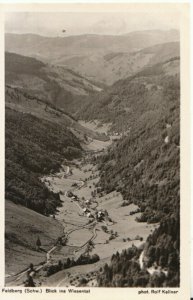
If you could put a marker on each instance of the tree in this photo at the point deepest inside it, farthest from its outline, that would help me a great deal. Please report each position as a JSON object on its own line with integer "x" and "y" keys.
{"x": 89, "y": 247}
{"x": 68, "y": 262}
{"x": 60, "y": 265}
{"x": 38, "y": 243}
{"x": 29, "y": 282}
{"x": 31, "y": 266}
{"x": 59, "y": 241}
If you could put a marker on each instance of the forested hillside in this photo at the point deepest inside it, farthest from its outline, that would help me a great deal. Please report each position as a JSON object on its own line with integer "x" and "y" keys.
{"x": 38, "y": 136}
{"x": 34, "y": 147}
{"x": 144, "y": 165}
{"x": 162, "y": 252}
{"x": 138, "y": 95}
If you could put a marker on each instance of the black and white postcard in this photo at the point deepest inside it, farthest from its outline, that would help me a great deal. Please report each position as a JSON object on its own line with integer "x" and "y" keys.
{"x": 96, "y": 193}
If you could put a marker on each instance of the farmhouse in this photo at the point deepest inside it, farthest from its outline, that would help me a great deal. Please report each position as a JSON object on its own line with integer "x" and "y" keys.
{"x": 69, "y": 194}
{"x": 90, "y": 216}
{"x": 100, "y": 215}
{"x": 86, "y": 210}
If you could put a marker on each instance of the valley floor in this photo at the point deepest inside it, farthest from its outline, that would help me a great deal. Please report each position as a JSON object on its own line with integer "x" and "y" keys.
{"x": 79, "y": 221}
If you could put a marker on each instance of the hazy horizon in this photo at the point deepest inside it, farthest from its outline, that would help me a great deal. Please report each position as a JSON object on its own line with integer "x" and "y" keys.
{"x": 82, "y": 34}
{"x": 78, "y": 23}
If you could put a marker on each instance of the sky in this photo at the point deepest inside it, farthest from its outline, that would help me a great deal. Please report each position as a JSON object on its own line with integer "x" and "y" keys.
{"x": 75, "y": 23}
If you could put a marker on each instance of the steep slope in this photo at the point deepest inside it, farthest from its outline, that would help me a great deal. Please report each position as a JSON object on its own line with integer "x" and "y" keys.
{"x": 21, "y": 233}
{"x": 89, "y": 54}
{"x": 150, "y": 114}
{"x": 39, "y": 138}
{"x": 22, "y": 101}
{"x": 121, "y": 103}
{"x": 156, "y": 266}
{"x": 34, "y": 147}
{"x": 144, "y": 166}
{"x": 57, "y": 85}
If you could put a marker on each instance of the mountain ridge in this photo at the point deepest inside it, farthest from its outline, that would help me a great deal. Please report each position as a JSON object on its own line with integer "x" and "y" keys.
{"x": 90, "y": 48}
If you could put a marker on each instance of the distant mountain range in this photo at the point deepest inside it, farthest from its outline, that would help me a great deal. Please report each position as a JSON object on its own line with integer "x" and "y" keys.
{"x": 104, "y": 58}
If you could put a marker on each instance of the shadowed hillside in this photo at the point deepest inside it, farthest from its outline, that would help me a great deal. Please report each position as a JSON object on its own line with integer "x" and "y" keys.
{"x": 34, "y": 147}
{"x": 58, "y": 85}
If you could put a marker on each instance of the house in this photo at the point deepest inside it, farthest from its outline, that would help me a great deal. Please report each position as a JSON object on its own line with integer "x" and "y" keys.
{"x": 91, "y": 217}
{"x": 86, "y": 210}
{"x": 166, "y": 140}
{"x": 100, "y": 216}
{"x": 100, "y": 213}
{"x": 69, "y": 194}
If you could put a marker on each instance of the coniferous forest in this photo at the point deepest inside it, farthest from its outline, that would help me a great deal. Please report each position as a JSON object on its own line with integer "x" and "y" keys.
{"x": 145, "y": 167}
{"x": 34, "y": 148}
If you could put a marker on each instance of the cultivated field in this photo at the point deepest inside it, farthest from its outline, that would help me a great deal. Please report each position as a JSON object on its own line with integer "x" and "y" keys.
{"x": 121, "y": 232}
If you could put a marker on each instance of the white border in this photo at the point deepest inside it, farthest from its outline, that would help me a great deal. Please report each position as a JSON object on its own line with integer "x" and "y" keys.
{"x": 185, "y": 150}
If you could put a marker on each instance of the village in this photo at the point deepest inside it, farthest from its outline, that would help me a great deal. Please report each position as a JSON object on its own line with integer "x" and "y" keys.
{"x": 94, "y": 222}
